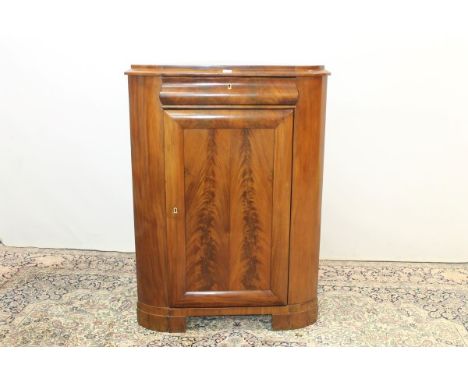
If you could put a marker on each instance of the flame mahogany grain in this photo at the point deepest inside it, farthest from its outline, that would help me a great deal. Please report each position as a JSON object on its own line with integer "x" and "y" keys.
{"x": 227, "y": 176}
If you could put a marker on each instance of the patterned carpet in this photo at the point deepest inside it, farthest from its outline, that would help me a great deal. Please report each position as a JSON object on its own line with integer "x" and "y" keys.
{"x": 86, "y": 298}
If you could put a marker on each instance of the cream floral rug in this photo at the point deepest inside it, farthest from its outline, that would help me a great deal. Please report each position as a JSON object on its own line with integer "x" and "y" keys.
{"x": 51, "y": 297}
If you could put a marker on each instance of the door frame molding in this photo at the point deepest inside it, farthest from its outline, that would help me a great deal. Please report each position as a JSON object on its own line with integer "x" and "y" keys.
{"x": 175, "y": 121}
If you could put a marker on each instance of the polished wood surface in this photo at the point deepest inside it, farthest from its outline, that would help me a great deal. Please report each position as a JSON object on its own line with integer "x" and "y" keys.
{"x": 307, "y": 189}
{"x": 227, "y": 71}
{"x": 230, "y": 90}
{"x": 284, "y": 317}
{"x": 149, "y": 194}
{"x": 227, "y": 173}
{"x": 225, "y": 170}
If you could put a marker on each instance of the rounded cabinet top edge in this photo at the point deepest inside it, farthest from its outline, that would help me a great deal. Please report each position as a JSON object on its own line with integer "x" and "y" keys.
{"x": 228, "y": 71}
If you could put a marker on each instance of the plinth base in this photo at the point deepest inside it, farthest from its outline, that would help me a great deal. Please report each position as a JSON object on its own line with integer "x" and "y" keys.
{"x": 174, "y": 320}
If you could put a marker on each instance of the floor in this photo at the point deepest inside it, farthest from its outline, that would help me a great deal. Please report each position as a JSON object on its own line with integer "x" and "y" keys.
{"x": 51, "y": 297}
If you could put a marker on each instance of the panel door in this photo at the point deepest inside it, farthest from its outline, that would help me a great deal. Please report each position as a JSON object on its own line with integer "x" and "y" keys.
{"x": 228, "y": 190}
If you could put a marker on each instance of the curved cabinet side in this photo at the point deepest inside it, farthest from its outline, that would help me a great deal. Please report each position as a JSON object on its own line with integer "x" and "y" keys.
{"x": 309, "y": 123}
{"x": 147, "y": 137}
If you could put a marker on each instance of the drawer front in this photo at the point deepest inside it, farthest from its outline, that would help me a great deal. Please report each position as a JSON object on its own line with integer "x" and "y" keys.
{"x": 186, "y": 91}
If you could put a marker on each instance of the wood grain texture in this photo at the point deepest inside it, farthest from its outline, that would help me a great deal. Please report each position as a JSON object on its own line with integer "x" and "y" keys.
{"x": 233, "y": 310}
{"x": 173, "y": 319}
{"x": 227, "y": 71}
{"x": 174, "y": 165}
{"x": 290, "y": 321}
{"x": 147, "y": 139}
{"x": 162, "y": 323}
{"x": 228, "y": 119}
{"x": 306, "y": 189}
{"x": 251, "y": 194}
{"x": 228, "y": 91}
{"x": 207, "y": 208}
{"x": 242, "y": 168}
{"x": 227, "y": 174}
{"x": 252, "y": 227}
{"x": 227, "y": 183}
{"x": 281, "y": 205}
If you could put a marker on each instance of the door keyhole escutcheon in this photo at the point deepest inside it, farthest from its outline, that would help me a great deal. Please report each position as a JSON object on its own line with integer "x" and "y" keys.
{"x": 175, "y": 211}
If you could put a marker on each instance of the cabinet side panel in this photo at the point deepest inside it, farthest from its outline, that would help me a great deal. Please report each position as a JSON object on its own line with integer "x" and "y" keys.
{"x": 306, "y": 189}
{"x": 147, "y": 139}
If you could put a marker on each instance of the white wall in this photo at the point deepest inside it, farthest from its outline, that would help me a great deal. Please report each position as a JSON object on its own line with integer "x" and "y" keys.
{"x": 396, "y": 176}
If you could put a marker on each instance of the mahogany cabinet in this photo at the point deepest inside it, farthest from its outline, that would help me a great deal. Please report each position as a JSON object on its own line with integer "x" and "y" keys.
{"x": 227, "y": 177}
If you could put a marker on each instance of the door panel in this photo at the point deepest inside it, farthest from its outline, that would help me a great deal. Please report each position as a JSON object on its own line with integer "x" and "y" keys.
{"x": 228, "y": 175}
{"x": 207, "y": 203}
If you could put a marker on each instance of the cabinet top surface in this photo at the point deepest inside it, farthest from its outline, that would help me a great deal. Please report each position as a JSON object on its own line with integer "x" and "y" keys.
{"x": 229, "y": 71}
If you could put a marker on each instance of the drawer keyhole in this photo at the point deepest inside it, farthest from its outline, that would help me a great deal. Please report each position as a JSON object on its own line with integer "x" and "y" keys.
{"x": 229, "y": 86}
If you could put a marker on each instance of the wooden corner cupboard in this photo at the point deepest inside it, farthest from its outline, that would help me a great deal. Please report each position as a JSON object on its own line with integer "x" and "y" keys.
{"x": 227, "y": 178}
